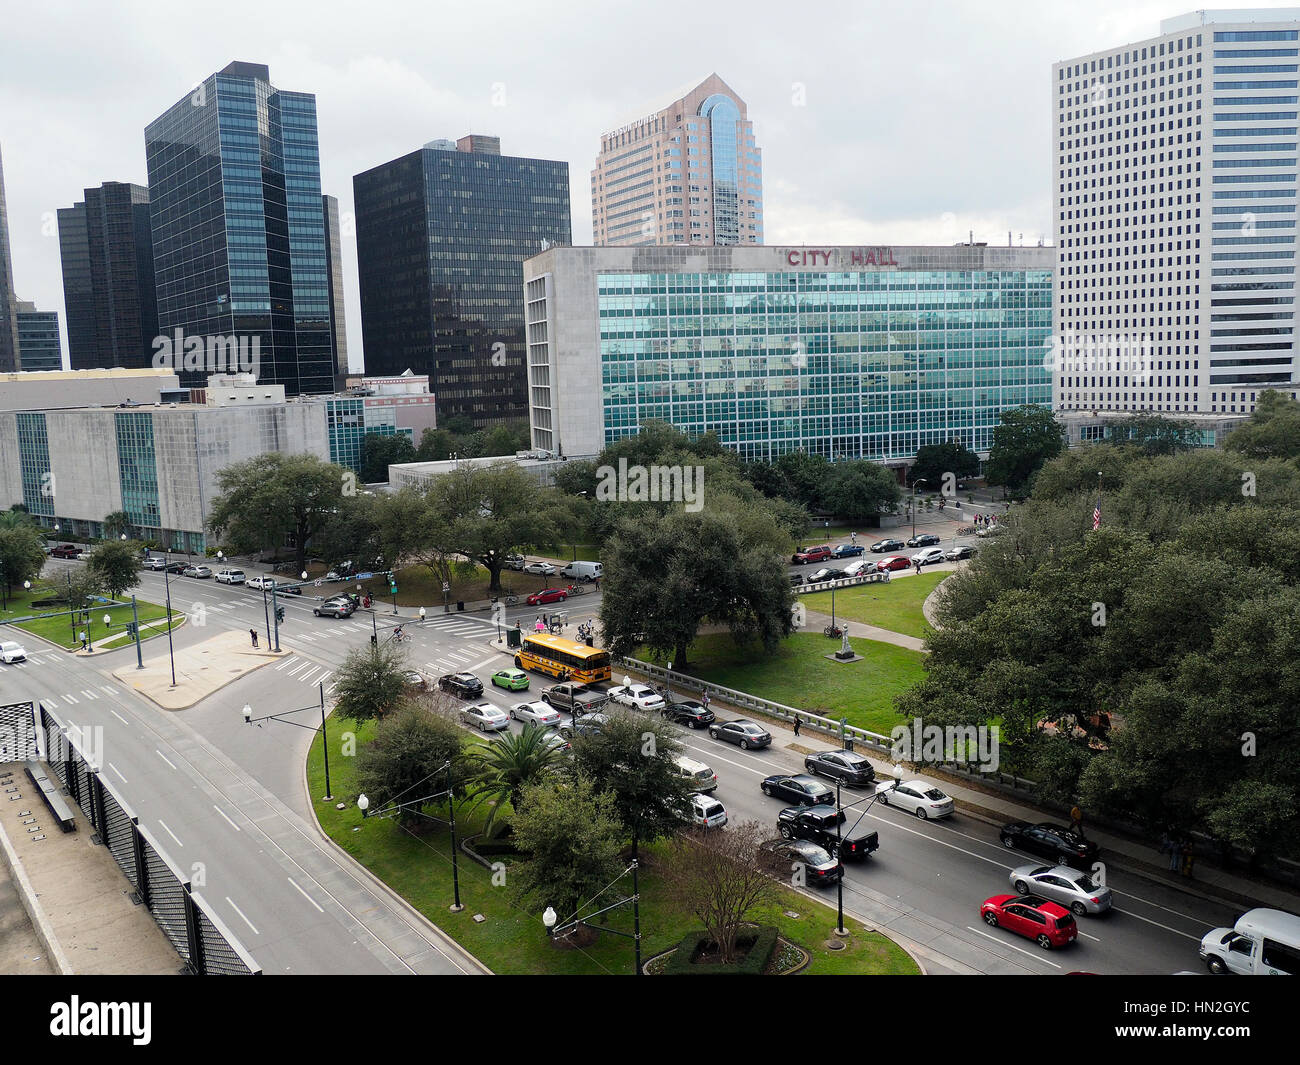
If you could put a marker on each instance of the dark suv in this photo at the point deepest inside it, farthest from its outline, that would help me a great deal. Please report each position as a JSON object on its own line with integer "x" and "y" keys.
{"x": 846, "y": 766}
{"x": 923, "y": 540}
{"x": 688, "y": 712}
{"x": 466, "y": 685}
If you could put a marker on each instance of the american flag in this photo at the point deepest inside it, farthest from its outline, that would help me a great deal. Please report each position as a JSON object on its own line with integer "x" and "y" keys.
{"x": 1096, "y": 516}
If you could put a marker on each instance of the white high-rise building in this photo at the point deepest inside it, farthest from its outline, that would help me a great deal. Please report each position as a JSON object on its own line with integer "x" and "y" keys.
{"x": 1175, "y": 217}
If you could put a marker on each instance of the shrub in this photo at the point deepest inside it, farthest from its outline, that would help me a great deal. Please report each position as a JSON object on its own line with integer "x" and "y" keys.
{"x": 761, "y": 942}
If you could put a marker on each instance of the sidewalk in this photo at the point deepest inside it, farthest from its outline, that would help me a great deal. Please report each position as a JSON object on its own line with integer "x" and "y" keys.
{"x": 77, "y": 898}
{"x": 201, "y": 669}
{"x": 818, "y": 621}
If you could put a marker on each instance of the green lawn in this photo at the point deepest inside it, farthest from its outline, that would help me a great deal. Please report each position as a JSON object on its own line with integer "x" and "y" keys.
{"x": 61, "y": 630}
{"x": 895, "y": 606}
{"x": 797, "y": 675}
{"x": 512, "y": 941}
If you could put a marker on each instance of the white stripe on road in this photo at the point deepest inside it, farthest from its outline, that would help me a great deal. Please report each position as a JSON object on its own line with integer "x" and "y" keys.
{"x": 301, "y": 665}
{"x": 118, "y": 772}
{"x": 69, "y": 698}
{"x": 486, "y": 662}
{"x": 89, "y": 694}
{"x": 223, "y": 814}
{"x": 118, "y": 716}
{"x": 163, "y": 757}
{"x": 1018, "y": 950}
{"x": 305, "y": 895}
{"x": 241, "y": 914}
{"x": 170, "y": 832}
{"x": 108, "y": 688}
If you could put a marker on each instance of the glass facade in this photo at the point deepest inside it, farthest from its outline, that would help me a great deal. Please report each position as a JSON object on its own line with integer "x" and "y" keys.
{"x": 238, "y": 226}
{"x": 858, "y": 364}
{"x": 441, "y": 240}
{"x": 349, "y": 420}
{"x": 138, "y": 469}
{"x": 34, "y": 463}
{"x": 39, "y": 347}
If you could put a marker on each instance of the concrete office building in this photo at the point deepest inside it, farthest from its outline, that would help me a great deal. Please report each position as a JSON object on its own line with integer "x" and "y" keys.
{"x": 51, "y": 390}
{"x": 8, "y": 301}
{"x": 690, "y": 173}
{"x": 239, "y": 227}
{"x": 841, "y": 351}
{"x": 39, "y": 347}
{"x": 441, "y": 236}
{"x": 334, "y": 268}
{"x": 1174, "y": 211}
{"x": 106, "y": 250}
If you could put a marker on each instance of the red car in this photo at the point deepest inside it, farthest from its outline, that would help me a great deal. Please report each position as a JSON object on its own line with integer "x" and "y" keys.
{"x": 66, "y": 551}
{"x": 549, "y": 595}
{"x": 894, "y": 562}
{"x": 1048, "y": 924}
{"x": 811, "y": 554}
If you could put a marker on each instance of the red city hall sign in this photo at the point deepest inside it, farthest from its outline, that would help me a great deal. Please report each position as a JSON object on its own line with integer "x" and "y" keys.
{"x": 856, "y": 257}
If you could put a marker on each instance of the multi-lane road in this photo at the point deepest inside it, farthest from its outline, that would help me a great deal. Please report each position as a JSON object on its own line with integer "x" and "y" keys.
{"x": 228, "y": 802}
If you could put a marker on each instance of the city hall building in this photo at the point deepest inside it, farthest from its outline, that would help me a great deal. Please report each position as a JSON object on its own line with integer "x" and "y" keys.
{"x": 847, "y": 352}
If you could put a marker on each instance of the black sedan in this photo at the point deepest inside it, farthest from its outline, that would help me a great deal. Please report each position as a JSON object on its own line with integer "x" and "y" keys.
{"x": 847, "y": 551}
{"x": 466, "y": 685}
{"x": 884, "y": 546}
{"x": 742, "y": 732}
{"x": 959, "y": 553}
{"x": 801, "y": 856}
{"x": 826, "y": 573}
{"x": 1050, "y": 841}
{"x": 800, "y": 789}
{"x": 177, "y": 567}
{"x": 923, "y": 540}
{"x": 688, "y": 712}
{"x": 846, "y": 766}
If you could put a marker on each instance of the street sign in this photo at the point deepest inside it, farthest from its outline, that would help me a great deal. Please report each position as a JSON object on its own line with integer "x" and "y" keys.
{"x": 364, "y": 576}
{"x": 446, "y": 587}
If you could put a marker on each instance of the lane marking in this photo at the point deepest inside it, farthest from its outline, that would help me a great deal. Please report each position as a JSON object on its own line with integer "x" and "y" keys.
{"x": 305, "y": 895}
{"x": 118, "y": 716}
{"x": 1009, "y": 946}
{"x": 165, "y": 758}
{"x": 170, "y": 832}
{"x": 118, "y": 772}
{"x": 241, "y": 914}
{"x": 69, "y": 698}
{"x": 223, "y": 814}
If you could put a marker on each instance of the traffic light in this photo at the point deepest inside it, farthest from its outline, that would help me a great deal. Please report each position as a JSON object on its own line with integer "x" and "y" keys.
{"x": 279, "y": 613}
{"x": 130, "y": 628}
{"x": 392, "y": 589}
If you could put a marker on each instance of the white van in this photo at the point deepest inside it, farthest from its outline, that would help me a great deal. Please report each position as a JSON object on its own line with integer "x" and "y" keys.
{"x": 584, "y": 571}
{"x": 702, "y": 778}
{"x": 1263, "y": 942}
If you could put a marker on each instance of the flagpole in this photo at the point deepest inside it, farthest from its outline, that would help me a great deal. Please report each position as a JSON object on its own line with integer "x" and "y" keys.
{"x": 1097, "y": 517}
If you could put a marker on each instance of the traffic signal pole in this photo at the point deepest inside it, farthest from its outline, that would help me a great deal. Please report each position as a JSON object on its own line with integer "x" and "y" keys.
{"x": 135, "y": 621}
{"x": 275, "y": 614}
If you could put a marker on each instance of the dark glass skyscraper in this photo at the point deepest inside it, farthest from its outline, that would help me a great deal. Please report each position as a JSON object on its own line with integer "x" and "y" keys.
{"x": 38, "y": 338}
{"x": 238, "y": 229}
{"x": 334, "y": 265}
{"x": 442, "y": 234}
{"x": 106, "y": 246}
{"x": 8, "y": 302}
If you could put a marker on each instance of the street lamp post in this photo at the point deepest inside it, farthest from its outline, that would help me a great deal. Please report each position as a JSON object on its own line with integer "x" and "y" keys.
{"x": 919, "y": 480}
{"x": 167, "y": 569}
{"x": 554, "y": 928}
{"x": 871, "y": 801}
{"x": 283, "y": 716}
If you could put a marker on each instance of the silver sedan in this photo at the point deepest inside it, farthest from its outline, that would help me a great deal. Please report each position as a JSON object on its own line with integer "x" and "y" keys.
{"x": 1062, "y": 884}
{"x": 538, "y": 713}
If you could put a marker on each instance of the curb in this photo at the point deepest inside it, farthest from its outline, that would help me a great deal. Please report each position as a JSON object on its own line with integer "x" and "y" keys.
{"x": 35, "y": 911}
{"x": 446, "y": 940}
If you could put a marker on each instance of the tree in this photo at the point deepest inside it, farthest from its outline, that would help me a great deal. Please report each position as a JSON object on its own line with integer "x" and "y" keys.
{"x": 116, "y": 565}
{"x": 371, "y": 682}
{"x": 1153, "y": 434}
{"x": 274, "y": 497}
{"x": 16, "y": 517}
{"x": 720, "y": 878}
{"x": 22, "y": 554}
{"x": 1272, "y": 430}
{"x": 860, "y": 490}
{"x": 115, "y": 524}
{"x": 808, "y": 477}
{"x": 354, "y": 534}
{"x": 405, "y": 761}
{"x": 571, "y": 835}
{"x": 934, "y": 461}
{"x": 632, "y": 757}
{"x": 1024, "y": 439}
{"x": 505, "y": 766}
{"x": 379, "y": 451}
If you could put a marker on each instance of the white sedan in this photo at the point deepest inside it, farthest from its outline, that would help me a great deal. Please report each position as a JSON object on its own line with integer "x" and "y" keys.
{"x": 12, "y": 652}
{"x": 485, "y": 717}
{"x": 916, "y": 797}
{"x": 640, "y": 696}
{"x": 260, "y": 582}
{"x": 537, "y": 713}
{"x": 542, "y": 569}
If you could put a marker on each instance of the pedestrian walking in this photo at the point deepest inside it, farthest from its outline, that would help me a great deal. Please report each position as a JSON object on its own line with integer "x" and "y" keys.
{"x": 546, "y": 621}
{"x": 537, "y": 625}
{"x": 421, "y": 615}
{"x": 1187, "y": 858}
{"x": 917, "y": 564}
{"x": 704, "y": 700}
{"x": 796, "y": 725}
{"x": 253, "y": 633}
{"x": 1076, "y": 821}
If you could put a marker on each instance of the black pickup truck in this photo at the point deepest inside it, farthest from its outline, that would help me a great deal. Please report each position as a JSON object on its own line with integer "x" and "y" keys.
{"x": 572, "y": 696}
{"x": 820, "y": 825}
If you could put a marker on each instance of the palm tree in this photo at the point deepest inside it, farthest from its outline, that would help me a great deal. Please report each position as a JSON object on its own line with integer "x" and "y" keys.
{"x": 15, "y": 519}
{"x": 505, "y": 766}
{"x": 115, "y": 524}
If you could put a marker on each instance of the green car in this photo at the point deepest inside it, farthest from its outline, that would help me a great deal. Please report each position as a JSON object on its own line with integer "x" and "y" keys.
{"x": 515, "y": 680}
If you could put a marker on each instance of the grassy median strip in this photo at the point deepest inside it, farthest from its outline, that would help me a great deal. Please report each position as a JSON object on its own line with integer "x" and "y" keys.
{"x": 895, "y": 606}
{"x": 65, "y": 633}
{"x": 511, "y": 941}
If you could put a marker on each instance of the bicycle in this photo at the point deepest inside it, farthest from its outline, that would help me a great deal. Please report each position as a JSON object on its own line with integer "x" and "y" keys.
{"x": 512, "y": 599}
{"x": 833, "y": 631}
{"x": 400, "y": 637}
{"x": 576, "y": 589}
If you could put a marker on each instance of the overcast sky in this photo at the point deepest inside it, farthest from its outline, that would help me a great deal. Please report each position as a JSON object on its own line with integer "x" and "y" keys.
{"x": 879, "y": 122}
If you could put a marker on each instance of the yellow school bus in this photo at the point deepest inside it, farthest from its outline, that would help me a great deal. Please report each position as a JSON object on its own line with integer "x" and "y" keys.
{"x": 563, "y": 658}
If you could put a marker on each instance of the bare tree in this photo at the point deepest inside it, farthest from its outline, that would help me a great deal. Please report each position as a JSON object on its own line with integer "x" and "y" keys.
{"x": 720, "y": 878}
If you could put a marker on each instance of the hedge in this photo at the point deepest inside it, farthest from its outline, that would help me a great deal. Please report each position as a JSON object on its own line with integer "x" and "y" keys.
{"x": 762, "y": 943}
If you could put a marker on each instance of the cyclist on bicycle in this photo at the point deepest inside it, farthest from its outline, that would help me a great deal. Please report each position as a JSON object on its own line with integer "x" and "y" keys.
{"x": 397, "y": 632}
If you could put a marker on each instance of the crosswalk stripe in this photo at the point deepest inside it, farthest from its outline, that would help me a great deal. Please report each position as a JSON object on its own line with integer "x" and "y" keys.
{"x": 89, "y": 694}
{"x": 309, "y": 674}
{"x": 299, "y": 667}
{"x": 108, "y": 688}
{"x": 284, "y": 663}
{"x": 69, "y": 698}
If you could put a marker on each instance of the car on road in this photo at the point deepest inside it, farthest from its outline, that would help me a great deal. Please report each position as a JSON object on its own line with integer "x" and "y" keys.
{"x": 800, "y": 855}
{"x": 176, "y": 567}
{"x": 541, "y": 569}
{"x": 916, "y": 797}
{"x": 538, "y": 713}
{"x": 574, "y": 697}
{"x": 513, "y": 680}
{"x": 894, "y": 562}
{"x": 516, "y": 562}
{"x": 826, "y": 573}
{"x": 465, "y": 685}
{"x": 485, "y": 717}
{"x": 83, "y": 556}
{"x": 800, "y": 788}
{"x": 702, "y": 778}
{"x": 230, "y": 576}
{"x": 860, "y": 567}
{"x": 1050, "y": 841}
{"x": 338, "y": 607}
{"x": 811, "y": 554}
{"x": 989, "y": 530}
{"x": 1046, "y": 923}
{"x": 637, "y": 696}
{"x": 964, "y": 551}
{"x": 549, "y": 595}
{"x": 201, "y": 573}
{"x": 923, "y": 540}
{"x": 1059, "y": 883}
{"x": 929, "y": 556}
{"x": 881, "y": 546}
{"x": 689, "y": 712}
{"x": 413, "y": 678}
{"x": 705, "y": 811}
{"x": 585, "y": 725}
{"x": 11, "y": 652}
{"x": 260, "y": 582}
{"x": 846, "y": 766}
{"x": 824, "y": 826}
{"x": 556, "y": 740}
{"x": 847, "y": 550}
{"x": 65, "y": 551}
{"x": 744, "y": 733}
{"x": 155, "y": 562}
{"x": 796, "y": 579}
